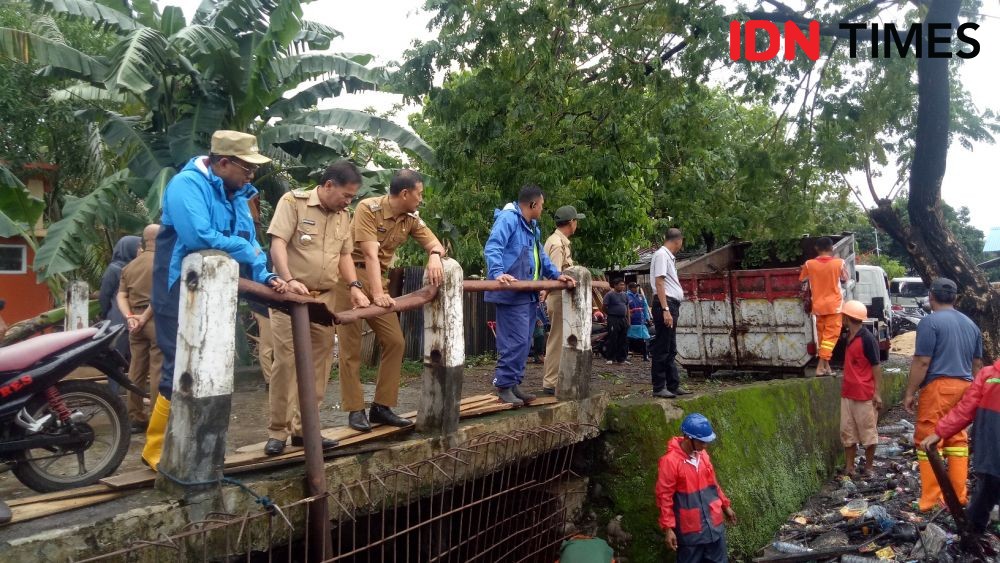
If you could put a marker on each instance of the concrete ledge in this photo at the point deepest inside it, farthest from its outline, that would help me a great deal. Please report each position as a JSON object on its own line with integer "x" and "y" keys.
{"x": 149, "y": 514}
{"x": 778, "y": 443}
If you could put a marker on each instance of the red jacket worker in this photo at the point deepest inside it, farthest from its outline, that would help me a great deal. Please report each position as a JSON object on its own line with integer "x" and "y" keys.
{"x": 693, "y": 507}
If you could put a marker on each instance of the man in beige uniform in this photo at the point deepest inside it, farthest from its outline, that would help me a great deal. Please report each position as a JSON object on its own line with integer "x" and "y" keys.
{"x": 557, "y": 247}
{"x": 134, "y": 290}
{"x": 381, "y": 225}
{"x": 311, "y": 250}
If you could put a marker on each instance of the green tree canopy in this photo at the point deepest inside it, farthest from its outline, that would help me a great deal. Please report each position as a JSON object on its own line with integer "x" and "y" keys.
{"x": 175, "y": 82}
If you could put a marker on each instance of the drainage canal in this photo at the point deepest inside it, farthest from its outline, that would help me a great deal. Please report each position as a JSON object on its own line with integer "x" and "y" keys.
{"x": 497, "y": 498}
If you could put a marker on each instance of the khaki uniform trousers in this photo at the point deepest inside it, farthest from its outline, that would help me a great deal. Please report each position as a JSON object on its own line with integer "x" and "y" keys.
{"x": 143, "y": 370}
{"x": 283, "y": 398}
{"x": 553, "y": 346}
{"x": 390, "y": 338}
{"x": 265, "y": 347}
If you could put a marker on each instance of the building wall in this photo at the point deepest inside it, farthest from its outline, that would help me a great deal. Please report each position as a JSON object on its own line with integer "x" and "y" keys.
{"x": 25, "y": 297}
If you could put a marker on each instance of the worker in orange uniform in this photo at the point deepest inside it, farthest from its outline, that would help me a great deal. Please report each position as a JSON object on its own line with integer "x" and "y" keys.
{"x": 825, "y": 273}
{"x": 949, "y": 352}
{"x": 693, "y": 508}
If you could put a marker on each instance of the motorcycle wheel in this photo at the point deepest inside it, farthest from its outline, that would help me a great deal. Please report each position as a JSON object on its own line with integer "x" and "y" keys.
{"x": 47, "y": 470}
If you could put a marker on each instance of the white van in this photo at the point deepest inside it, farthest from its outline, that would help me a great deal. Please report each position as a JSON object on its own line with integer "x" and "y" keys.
{"x": 872, "y": 283}
{"x": 904, "y": 293}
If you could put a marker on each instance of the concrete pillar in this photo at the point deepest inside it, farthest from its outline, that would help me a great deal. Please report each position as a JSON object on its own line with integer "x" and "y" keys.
{"x": 575, "y": 363}
{"x": 444, "y": 356}
{"x": 195, "y": 445}
{"x": 77, "y": 305}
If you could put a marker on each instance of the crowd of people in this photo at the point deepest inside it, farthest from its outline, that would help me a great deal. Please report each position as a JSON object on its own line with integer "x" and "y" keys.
{"x": 318, "y": 248}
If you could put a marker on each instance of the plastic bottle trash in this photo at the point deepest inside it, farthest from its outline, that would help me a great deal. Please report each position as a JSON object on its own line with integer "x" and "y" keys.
{"x": 785, "y": 547}
{"x": 888, "y": 450}
{"x": 892, "y": 429}
{"x": 861, "y": 559}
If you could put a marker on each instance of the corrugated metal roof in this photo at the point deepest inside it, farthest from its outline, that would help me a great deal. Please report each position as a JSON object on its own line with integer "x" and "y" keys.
{"x": 992, "y": 241}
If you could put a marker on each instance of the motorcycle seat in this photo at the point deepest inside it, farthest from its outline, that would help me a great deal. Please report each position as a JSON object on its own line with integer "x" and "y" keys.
{"x": 25, "y": 354}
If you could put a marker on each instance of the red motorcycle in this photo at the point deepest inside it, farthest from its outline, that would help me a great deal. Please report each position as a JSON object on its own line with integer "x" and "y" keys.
{"x": 57, "y": 434}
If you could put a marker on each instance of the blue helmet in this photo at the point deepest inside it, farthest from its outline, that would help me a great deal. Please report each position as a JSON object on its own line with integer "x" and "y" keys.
{"x": 696, "y": 426}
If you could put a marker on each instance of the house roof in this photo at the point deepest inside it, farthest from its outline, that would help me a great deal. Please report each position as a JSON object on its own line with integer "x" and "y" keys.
{"x": 992, "y": 241}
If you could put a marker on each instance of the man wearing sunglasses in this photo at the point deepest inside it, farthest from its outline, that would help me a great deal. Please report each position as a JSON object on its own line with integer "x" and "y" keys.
{"x": 204, "y": 207}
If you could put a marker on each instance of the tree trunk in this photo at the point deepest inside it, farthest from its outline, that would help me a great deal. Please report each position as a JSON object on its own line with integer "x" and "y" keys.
{"x": 932, "y": 246}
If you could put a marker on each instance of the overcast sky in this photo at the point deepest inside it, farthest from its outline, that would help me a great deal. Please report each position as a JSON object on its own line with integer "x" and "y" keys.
{"x": 386, "y": 28}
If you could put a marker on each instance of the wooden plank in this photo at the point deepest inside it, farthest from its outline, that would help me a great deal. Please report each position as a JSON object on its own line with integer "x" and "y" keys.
{"x": 344, "y": 432}
{"x": 37, "y": 510}
{"x": 60, "y": 495}
{"x": 472, "y": 406}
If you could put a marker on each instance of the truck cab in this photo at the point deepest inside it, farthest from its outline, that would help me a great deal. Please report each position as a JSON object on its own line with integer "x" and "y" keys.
{"x": 904, "y": 293}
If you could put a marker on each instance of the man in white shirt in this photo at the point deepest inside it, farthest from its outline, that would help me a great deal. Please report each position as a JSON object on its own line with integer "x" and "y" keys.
{"x": 667, "y": 297}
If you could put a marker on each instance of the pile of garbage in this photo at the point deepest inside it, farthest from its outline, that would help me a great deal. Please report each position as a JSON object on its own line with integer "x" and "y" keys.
{"x": 874, "y": 518}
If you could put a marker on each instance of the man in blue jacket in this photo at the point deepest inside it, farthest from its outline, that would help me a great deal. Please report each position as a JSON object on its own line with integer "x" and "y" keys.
{"x": 514, "y": 252}
{"x": 204, "y": 207}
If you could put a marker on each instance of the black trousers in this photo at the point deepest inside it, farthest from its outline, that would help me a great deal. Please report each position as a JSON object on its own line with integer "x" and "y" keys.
{"x": 663, "y": 349}
{"x": 984, "y": 498}
{"x": 616, "y": 349}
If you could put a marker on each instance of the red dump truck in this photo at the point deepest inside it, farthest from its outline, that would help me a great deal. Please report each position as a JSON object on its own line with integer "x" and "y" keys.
{"x": 743, "y": 308}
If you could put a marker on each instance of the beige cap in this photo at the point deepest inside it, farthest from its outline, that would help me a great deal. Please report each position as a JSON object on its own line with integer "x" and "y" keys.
{"x": 241, "y": 145}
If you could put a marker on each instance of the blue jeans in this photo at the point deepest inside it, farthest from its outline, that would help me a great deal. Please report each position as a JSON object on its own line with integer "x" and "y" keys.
{"x": 515, "y": 325}
{"x": 714, "y": 552}
{"x": 166, "y": 305}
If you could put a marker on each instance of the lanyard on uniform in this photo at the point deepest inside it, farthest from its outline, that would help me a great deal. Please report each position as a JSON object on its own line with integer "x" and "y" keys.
{"x": 537, "y": 261}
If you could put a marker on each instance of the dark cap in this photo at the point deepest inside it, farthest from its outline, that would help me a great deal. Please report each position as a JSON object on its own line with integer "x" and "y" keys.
{"x": 568, "y": 213}
{"x": 943, "y": 285}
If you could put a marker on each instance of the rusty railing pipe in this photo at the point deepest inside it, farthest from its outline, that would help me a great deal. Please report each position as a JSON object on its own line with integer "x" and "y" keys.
{"x": 319, "y": 548}
{"x": 540, "y": 285}
{"x": 408, "y": 302}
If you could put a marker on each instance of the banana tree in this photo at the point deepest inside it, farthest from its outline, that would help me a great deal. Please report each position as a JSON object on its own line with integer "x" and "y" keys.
{"x": 174, "y": 82}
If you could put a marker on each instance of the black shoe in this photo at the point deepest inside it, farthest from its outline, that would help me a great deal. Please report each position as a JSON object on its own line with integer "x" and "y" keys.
{"x": 327, "y": 443}
{"x": 358, "y": 421}
{"x": 381, "y": 414}
{"x": 526, "y": 397}
{"x": 274, "y": 446}
{"x": 681, "y": 391}
{"x": 663, "y": 394}
{"x": 506, "y": 395}
{"x": 549, "y": 391}
{"x": 137, "y": 427}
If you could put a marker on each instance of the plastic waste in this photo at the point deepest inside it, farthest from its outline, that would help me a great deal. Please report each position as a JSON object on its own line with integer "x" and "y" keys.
{"x": 888, "y": 450}
{"x": 861, "y": 559}
{"x": 881, "y": 517}
{"x": 905, "y": 532}
{"x": 854, "y": 508}
{"x": 785, "y": 547}
{"x": 932, "y": 541}
{"x": 901, "y": 427}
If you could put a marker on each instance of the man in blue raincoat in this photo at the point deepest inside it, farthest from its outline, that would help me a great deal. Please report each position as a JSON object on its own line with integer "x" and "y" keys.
{"x": 514, "y": 252}
{"x": 204, "y": 207}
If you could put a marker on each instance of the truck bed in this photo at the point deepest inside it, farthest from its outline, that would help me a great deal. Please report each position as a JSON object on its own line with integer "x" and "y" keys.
{"x": 740, "y": 317}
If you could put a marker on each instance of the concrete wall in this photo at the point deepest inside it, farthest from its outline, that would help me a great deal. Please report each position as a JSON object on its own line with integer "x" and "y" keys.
{"x": 778, "y": 443}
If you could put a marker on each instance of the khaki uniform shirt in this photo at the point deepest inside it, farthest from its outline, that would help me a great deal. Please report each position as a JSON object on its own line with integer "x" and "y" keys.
{"x": 316, "y": 238}
{"x": 137, "y": 281}
{"x": 557, "y": 247}
{"x": 375, "y": 221}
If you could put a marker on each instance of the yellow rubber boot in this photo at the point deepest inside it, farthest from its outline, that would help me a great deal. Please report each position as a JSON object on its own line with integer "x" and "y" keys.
{"x": 958, "y": 471}
{"x": 155, "y": 432}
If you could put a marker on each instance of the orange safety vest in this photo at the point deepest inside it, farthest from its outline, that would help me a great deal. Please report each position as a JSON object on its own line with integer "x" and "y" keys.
{"x": 823, "y": 274}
